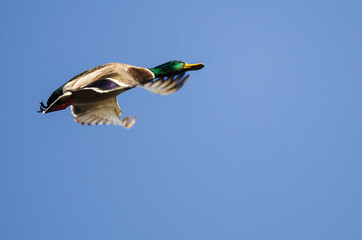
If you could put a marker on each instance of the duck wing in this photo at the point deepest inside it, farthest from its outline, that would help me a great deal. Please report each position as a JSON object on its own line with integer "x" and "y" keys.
{"x": 165, "y": 86}
{"x": 116, "y": 72}
{"x": 105, "y": 112}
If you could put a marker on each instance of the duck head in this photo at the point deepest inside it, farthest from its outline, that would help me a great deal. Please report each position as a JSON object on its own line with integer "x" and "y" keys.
{"x": 174, "y": 68}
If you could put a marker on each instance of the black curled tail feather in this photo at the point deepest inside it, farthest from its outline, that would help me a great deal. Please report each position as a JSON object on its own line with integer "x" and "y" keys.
{"x": 43, "y": 107}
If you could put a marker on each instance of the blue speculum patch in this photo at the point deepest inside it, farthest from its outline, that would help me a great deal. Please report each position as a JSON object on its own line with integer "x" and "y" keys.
{"x": 104, "y": 84}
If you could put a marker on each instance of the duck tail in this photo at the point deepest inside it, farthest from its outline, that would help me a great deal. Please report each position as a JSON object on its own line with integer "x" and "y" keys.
{"x": 43, "y": 108}
{"x": 62, "y": 102}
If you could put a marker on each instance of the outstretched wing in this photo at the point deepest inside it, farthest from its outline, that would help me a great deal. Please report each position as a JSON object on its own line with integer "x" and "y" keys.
{"x": 106, "y": 112}
{"x": 165, "y": 86}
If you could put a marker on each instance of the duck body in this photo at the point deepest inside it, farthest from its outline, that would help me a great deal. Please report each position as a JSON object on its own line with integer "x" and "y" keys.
{"x": 92, "y": 94}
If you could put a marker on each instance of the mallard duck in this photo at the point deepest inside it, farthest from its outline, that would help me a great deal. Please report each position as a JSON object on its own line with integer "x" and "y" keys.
{"x": 92, "y": 95}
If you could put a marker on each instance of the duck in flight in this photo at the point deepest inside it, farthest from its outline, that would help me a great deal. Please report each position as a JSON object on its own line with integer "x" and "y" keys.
{"x": 92, "y": 95}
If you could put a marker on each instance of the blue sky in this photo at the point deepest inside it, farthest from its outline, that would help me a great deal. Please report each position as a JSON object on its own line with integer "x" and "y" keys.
{"x": 263, "y": 143}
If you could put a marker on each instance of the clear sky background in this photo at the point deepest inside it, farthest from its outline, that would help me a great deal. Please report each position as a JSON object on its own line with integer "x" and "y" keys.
{"x": 263, "y": 143}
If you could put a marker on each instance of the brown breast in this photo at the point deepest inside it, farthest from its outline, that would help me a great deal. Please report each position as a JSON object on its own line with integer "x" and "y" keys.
{"x": 141, "y": 75}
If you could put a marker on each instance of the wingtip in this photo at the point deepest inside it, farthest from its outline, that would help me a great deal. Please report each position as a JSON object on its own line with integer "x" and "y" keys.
{"x": 128, "y": 123}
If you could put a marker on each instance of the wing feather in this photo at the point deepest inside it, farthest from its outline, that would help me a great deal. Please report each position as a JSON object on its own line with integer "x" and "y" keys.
{"x": 165, "y": 86}
{"x": 106, "y": 112}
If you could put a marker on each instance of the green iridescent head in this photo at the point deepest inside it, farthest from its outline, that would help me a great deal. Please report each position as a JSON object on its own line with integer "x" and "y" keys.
{"x": 174, "y": 67}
